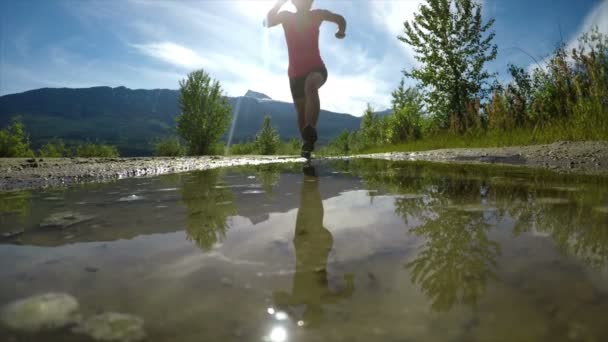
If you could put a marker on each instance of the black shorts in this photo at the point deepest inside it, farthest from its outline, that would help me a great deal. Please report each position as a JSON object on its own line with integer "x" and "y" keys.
{"x": 297, "y": 83}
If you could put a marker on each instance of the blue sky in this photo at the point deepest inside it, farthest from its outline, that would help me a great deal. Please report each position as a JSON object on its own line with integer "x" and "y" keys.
{"x": 155, "y": 43}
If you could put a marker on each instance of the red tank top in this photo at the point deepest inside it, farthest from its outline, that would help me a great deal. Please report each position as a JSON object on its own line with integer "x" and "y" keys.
{"x": 303, "y": 44}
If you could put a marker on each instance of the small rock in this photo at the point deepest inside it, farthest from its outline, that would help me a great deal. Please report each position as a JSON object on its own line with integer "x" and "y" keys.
{"x": 91, "y": 269}
{"x": 111, "y": 326}
{"x": 12, "y": 234}
{"x": 64, "y": 219}
{"x": 46, "y": 311}
{"x": 130, "y": 198}
{"x": 226, "y": 282}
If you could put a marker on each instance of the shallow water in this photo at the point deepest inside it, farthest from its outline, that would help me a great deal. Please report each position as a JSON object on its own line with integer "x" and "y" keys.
{"x": 366, "y": 251}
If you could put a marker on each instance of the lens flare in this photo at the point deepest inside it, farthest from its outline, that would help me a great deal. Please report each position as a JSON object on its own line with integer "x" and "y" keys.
{"x": 278, "y": 334}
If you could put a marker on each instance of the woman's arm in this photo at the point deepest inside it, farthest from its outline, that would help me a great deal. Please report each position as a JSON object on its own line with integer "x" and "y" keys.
{"x": 336, "y": 19}
{"x": 274, "y": 18}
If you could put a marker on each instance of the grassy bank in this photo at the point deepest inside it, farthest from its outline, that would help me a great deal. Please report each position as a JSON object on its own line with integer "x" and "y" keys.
{"x": 495, "y": 138}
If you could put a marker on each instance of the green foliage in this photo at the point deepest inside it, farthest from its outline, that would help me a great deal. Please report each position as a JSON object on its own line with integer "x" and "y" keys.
{"x": 568, "y": 96}
{"x": 289, "y": 148}
{"x": 205, "y": 113}
{"x": 14, "y": 141}
{"x": 91, "y": 150}
{"x": 267, "y": 140}
{"x": 449, "y": 38}
{"x": 405, "y": 123}
{"x": 54, "y": 149}
{"x": 244, "y": 148}
{"x": 341, "y": 145}
{"x": 371, "y": 132}
{"x": 169, "y": 147}
{"x": 208, "y": 207}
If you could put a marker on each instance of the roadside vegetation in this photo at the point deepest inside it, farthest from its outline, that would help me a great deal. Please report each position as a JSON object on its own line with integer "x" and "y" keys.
{"x": 14, "y": 143}
{"x": 456, "y": 103}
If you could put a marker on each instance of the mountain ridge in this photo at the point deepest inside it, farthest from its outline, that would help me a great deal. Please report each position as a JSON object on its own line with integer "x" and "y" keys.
{"x": 132, "y": 119}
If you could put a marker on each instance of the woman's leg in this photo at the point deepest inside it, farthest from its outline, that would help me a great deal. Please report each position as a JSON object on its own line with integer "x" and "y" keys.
{"x": 313, "y": 82}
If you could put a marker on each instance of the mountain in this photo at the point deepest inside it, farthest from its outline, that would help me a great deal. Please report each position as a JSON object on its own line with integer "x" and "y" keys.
{"x": 133, "y": 119}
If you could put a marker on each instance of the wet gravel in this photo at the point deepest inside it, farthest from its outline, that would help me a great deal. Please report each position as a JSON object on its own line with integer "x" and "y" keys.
{"x": 21, "y": 173}
{"x": 589, "y": 157}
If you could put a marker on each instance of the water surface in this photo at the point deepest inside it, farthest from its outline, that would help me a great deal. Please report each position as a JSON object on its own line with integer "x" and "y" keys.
{"x": 363, "y": 251}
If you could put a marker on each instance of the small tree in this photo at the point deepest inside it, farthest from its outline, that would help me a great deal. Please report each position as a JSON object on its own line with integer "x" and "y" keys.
{"x": 406, "y": 121}
{"x": 452, "y": 48}
{"x": 14, "y": 141}
{"x": 205, "y": 113}
{"x": 371, "y": 130}
{"x": 54, "y": 149}
{"x": 342, "y": 143}
{"x": 169, "y": 147}
{"x": 267, "y": 140}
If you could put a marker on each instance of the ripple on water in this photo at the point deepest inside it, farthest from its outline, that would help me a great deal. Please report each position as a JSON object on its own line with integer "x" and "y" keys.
{"x": 473, "y": 208}
{"x": 551, "y": 200}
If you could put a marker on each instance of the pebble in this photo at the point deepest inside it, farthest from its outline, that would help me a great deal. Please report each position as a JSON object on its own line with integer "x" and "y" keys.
{"x": 41, "y": 312}
{"x": 226, "y": 282}
{"x": 113, "y": 327}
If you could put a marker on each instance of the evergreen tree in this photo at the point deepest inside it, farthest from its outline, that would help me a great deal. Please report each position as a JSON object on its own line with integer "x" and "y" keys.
{"x": 267, "y": 140}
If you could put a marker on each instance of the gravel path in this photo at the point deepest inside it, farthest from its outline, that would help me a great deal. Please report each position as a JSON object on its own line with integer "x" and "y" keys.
{"x": 566, "y": 157}
{"x": 20, "y": 173}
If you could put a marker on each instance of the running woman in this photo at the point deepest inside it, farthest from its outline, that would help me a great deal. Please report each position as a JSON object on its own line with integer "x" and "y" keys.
{"x": 307, "y": 72}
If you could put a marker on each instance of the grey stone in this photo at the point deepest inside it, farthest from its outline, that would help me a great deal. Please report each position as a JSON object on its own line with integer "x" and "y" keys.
{"x": 112, "y": 326}
{"x": 46, "y": 311}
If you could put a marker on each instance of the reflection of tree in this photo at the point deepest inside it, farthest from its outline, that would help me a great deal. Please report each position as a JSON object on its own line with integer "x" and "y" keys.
{"x": 208, "y": 205}
{"x": 457, "y": 259}
{"x": 312, "y": 242}
{"x": 14, "y": 203}
{"x": 574, "y": 226}
{"x": 442, "y": 203}
{"x": 268, "y": 176}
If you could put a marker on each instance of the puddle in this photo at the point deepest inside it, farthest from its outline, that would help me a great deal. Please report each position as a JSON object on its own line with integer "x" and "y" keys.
{"x": 366, "y": 251}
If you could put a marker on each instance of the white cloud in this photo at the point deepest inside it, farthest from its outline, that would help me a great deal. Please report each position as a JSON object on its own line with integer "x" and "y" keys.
{"x": 598, "y": 17}
{"x": 174, "y": 54}
{"x": 391, "y": 15}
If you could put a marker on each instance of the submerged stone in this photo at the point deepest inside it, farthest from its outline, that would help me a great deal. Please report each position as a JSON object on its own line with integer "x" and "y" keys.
{"x": 601, "y": 209}
{"x": 130, "y": 198}
{"x": 46, "y": 311}
{"x": 111, "y": 326}
{"x": 64, "y": 219}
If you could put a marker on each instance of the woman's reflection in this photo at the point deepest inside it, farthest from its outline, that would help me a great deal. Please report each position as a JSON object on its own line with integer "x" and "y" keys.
{"x": 313, "y": 243}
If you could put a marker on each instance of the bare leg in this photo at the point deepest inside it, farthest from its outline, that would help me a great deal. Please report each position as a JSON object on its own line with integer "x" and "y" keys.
{"x": 300, "y": 105}
{"x": 314, "y": 81}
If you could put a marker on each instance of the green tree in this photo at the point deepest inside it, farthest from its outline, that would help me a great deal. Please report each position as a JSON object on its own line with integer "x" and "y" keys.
{"x": 54, "y": 149}
{"x": 205, "y": 113}
{"x": 91, "y": 150}
{"x": 208, "y": 206}
{"x": 14, "y": 141}
{"x": 406, "y": 121}
{"x": 450, "y": 40}
{"x": 267, "y": 140}
{"x": 169, "y": 147}
{"x": 341, "y": 144}
{"x": 370, "y": 131}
